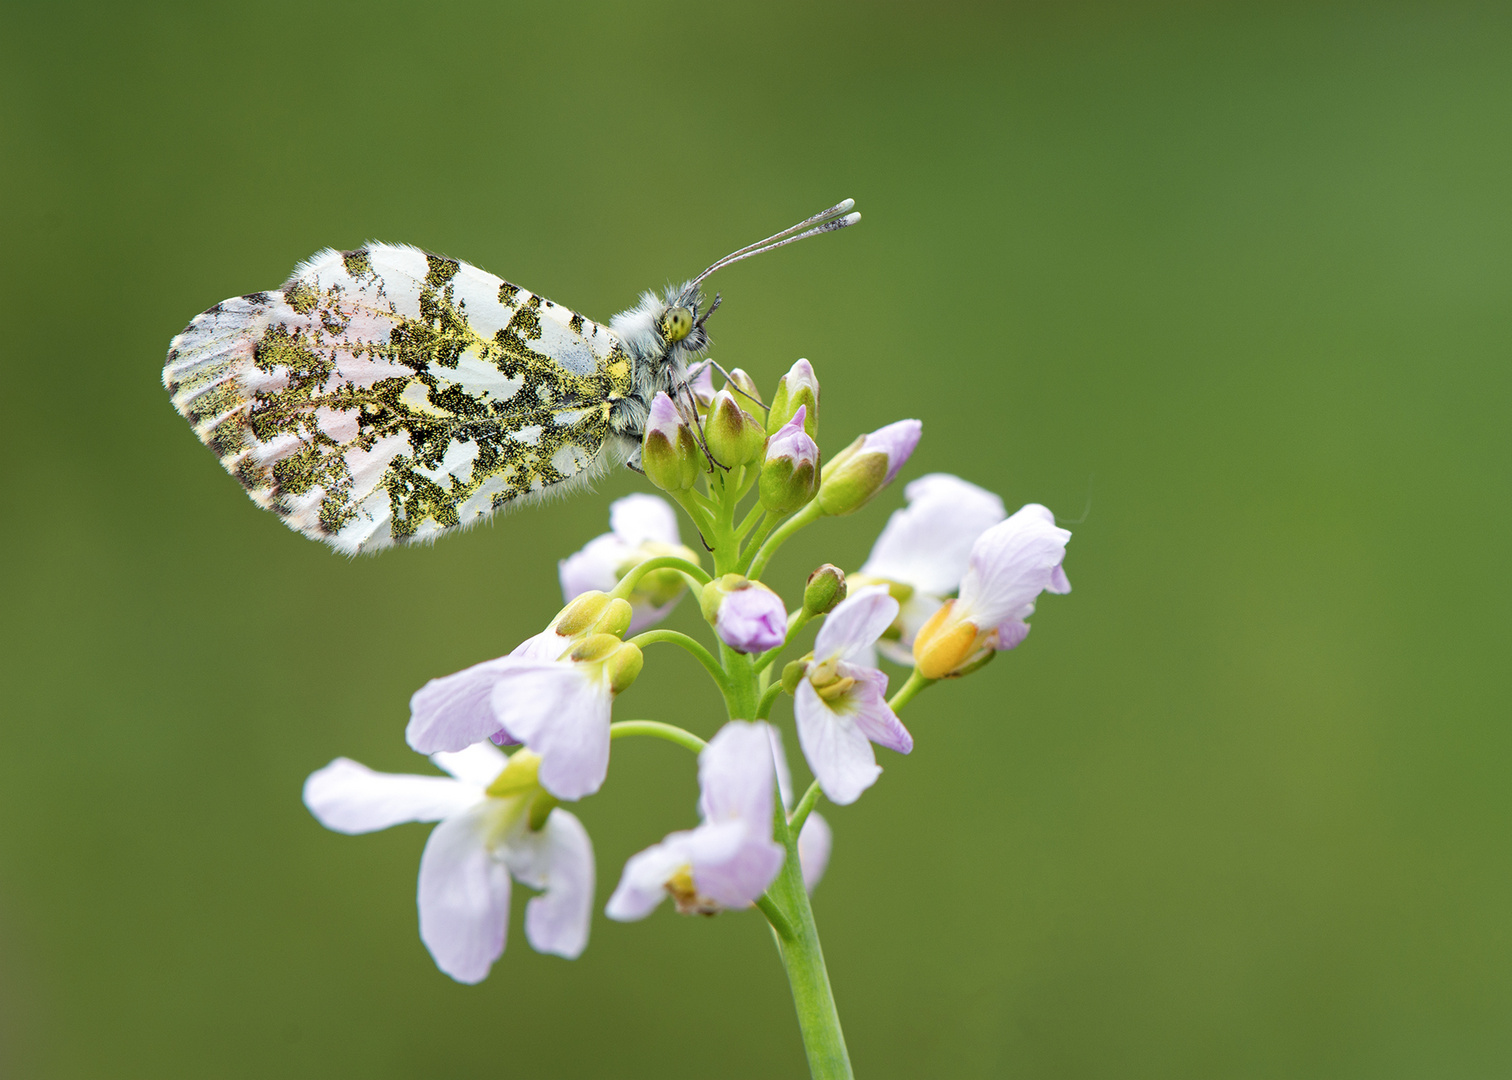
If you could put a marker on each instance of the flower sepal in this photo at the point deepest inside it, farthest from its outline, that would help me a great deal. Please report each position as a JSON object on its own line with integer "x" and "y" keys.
{"x": 670, "y": 457}
{"x": 734, "y": 436}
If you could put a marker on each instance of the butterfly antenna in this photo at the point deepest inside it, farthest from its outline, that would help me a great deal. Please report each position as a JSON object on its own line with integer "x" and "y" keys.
{"x": 733, "y": 385}
{"x": 836, "y": 217}
{"x": 712, "y": 309}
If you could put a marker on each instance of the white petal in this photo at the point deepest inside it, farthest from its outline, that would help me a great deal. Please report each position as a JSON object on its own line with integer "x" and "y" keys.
{"x": 453, "y": 712}
{"x": 814, "y": 844}
{"x": 1011, "y": 634}
{"x": 779, "y": 758}
{"x": 464, "y": 895}
{"x": 479, "y": 764}
{"x": 352, "y": 798}
{"x": 638, "y": 518}
{"x": 559, "y": 860}
{"x": 1059, "y": 582}
{"x": 547, "y": 645}
{"x": 866, "y": 704}
{"x": 837, "y": 751}
{"x": 916, "y": 611}
{"x": 561, "y": 711}
{"x": 735, "y": 775}
{"x": 1011, "y": 564}
{"x": 731, "y": 864}
{"x": 595, "y": 567}
{"x": 926, "y": 544}
{"x": 855, "y": 624}
{"x": 643, "y": 884}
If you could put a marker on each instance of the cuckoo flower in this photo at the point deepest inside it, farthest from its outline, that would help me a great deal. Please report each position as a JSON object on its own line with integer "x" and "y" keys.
{"x": 1010, "y": 565}
{"x": 641, "y": 527}
{"x": 729, "y": 860}
{"x": 921, "y": 554}
{"x": 553, "y": 693}
{"x": 495, "y": 822}
{"x": 841, "y": 702}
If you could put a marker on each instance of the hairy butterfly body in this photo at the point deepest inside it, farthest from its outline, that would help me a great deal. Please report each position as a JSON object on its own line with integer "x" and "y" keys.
{"x": 386, "y": 395}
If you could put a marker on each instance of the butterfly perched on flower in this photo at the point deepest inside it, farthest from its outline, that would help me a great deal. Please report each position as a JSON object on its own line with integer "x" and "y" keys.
{"x": 386, "y": 395}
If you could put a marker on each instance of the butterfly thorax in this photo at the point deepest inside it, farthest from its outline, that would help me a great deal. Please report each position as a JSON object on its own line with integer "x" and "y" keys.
{"x": 657, "y": 365}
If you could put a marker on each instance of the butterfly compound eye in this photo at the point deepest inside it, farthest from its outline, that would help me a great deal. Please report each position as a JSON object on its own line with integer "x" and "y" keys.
{"x": 676, "y": 323}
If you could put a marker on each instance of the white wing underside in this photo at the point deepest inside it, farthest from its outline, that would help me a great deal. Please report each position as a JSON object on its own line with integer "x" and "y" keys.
{"x": 386, "y": 396}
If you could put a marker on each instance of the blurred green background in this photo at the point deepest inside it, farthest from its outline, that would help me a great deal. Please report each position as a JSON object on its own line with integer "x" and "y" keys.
{"x": 1241, "y": 806}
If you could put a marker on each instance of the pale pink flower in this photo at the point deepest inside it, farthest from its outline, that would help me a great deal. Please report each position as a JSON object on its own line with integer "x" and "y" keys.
{"x": 841, "y": 701}
{"x": 482, "y": 840}
{"x": 729, "y": 860}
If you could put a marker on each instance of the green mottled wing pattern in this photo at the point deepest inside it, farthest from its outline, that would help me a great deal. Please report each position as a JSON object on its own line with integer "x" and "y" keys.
{"x": 385, "y": 395}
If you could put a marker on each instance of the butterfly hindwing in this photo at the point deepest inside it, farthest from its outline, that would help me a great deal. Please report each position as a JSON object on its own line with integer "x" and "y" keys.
{"x": 385, "y": 395}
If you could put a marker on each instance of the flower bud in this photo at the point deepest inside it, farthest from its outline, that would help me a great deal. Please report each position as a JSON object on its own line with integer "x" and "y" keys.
{"x": 945, "y": 643}
{"x": 790, "y": 475}
{"x": 792, "y": 674}
{"x": 623, "y": 666}
{"x": 593, "y": 613}
{"x": 622, "y": 661}
{"x": 742, "y": 384}
{"x": 702, "y": 388}
{"x": 797, "y": 389}
{"x": 669, "y": 453}
{"x": 734, "y": 436}
{"x": 866, "y": 466}
{"x": 747, "y": 616}
{"x": 825, "y": 588}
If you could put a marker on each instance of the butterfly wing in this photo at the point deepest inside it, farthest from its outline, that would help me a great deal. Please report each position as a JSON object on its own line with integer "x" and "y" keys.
{"x": 385, "y": 395}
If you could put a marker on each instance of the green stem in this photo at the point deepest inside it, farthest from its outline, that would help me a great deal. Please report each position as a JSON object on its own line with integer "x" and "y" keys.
{"x": 742, "y": 681}
{"x": 803, "y": 958}
{"x": 805, "y": 804}
{"x": 807, "y": 516}
{"x": 750, "y": 520}
{"x": 633, "y": 576}
{"x": 775, "y": 916}
{"x": 657, "y": 730}
{"x": 769, "y": 695}
{"x": 701, "y": 654}
{"x": 768, "y": 523}
{"x": 909, "y": 690}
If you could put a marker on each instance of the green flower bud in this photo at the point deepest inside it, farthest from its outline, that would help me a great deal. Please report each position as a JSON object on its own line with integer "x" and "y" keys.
{"x": 623, "y": 666}
{"x": 734, "y": 436}
{"x": 790, "y": 475}
{"x": 670, "y": 456}
{"x": 745, "y": 385}
{"x": 866, "y": 466}
{"x": 797, "y": 389}
{"x": 826, "y": 588}
{"x": 622, "y": 661}
{"x": 593, "y": 613}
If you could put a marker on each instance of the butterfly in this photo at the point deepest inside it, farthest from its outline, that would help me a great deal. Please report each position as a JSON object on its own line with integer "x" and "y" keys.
{"x": 386, "y": 395}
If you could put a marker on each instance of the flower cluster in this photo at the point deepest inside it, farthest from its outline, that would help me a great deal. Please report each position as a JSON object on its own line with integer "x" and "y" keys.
{"x": 950, "y": 581}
